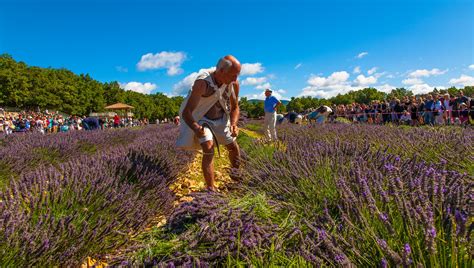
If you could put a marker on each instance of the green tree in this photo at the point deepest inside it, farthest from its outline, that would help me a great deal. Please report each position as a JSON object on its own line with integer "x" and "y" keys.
{"x": 399, "y": 93}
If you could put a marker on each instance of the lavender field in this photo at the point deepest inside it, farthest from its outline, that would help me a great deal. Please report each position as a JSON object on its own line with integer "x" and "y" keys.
{"x": 332, "y": 195}
{"x": 68, "y": 196}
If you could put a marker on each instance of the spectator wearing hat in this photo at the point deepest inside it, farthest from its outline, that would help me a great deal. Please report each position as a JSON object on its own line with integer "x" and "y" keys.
{"x": 270, "y": 106}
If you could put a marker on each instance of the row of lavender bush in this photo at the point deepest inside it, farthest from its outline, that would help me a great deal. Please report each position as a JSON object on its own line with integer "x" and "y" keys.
{"x": 338, "y": 195}
{"x": 85, "y": 204}
{"x": 374, "y": 195}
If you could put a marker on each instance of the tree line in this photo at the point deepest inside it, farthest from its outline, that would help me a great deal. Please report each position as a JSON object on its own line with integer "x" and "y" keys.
{"x": 29, "y": 87}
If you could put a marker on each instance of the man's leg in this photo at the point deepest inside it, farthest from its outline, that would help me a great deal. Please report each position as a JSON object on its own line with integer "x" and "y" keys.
{"x": 208, "y": 163}
{"x": 432, "y": 119}
{"x": 428, "y": 118}
{"x": 235, "y": 161}
{"x": 266, "y": 126}
{"x": 272, "y": 125}
{"x": 234, "y": 154}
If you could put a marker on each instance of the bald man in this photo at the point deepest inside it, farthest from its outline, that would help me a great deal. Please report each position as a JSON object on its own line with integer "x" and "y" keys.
{"x": 211, "y": 112}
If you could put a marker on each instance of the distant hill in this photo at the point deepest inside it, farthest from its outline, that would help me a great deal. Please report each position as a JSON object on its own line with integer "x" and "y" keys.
{"x": 285, "y": 102}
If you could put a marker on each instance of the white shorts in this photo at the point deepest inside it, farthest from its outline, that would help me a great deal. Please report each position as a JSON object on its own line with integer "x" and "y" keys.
{"x": 221, "y": 128}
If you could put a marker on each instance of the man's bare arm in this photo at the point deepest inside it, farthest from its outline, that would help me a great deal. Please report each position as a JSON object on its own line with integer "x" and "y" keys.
{"x": 234, "y": 110}
{"x": 278, "y": 104}
{"x": 199, "y": 88}
{"x": 234, "y": 104}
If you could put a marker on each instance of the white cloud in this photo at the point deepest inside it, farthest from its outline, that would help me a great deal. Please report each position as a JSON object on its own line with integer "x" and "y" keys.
{"x": 417, "y": 85}
{"x": 356, "y": 70}
{"x": 323, "y": 92}
{"x": 281, "y": 91}
{"x": 471, "y": 66}
{"x": 263, "y": 86}
{"x": 372, "y": 71}
{"x": 183, "y": 86}
{"x": 338, "y": 83}
{"x": 390, "y": 76}
{"x": 277, "y": 94}
{"x": 298, "y": 65}
{"x": 335, "y": 78}
{"x": 385, "y": 88}
{"x": 169, "y": 95}
{"x": 259, "y": 82}
{"x": 363, "y": 81}
{"x": 326, "y": 87}
{"x": 463, "y": 80}
{"x": 421, "y": 88}
{"x": 174, "y": 70}
{"x": 252, "y": 81}
{"x": 145, "y": 88}
{"x": 251, "y": 68}
{"x": 427, "y": 73}
{"x": 412, "y": 81}
{"x": 378, "y": 75}
{"x": 362, "y": 54}
{"x": 164, "y": 60}
{"x": 121, "y": 69}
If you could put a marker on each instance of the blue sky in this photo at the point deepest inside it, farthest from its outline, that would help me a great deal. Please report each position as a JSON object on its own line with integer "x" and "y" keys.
{"x": 312, "y": 48}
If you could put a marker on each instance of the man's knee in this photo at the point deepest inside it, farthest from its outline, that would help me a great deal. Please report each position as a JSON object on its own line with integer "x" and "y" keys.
{"x": 207, "y": 147}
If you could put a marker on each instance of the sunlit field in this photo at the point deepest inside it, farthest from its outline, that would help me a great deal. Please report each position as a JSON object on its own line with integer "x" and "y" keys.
{"x": 325, "y": 195}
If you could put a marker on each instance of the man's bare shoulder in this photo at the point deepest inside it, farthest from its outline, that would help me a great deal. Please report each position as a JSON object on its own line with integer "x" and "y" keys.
{"x": 199, "y": 87}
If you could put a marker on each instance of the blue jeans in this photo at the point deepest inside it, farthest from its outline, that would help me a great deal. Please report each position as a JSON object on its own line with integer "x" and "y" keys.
{"x": 429, "y": 118}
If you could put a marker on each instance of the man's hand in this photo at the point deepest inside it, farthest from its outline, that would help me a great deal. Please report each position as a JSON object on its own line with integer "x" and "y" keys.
{"x": 199, "y": 132}
{"x": 234, "y": 130}
{"x": 276, "y": 106}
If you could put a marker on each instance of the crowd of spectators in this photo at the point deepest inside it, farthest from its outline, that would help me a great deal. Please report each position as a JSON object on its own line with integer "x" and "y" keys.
{"x": 431, "y": 109}
{"x": 53, "y": 122}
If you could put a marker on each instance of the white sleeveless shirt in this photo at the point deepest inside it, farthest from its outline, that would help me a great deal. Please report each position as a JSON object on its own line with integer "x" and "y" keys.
{"x": 187, "y": 138}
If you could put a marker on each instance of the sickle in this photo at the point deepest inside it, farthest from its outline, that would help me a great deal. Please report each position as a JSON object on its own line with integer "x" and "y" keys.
{"x": 214, "y": 137}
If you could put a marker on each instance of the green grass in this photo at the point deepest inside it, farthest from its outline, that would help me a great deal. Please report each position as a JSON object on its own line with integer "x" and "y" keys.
{"x": 257, "y": 202}
{"x": 254, "y": 127}
{"x": 158, "y": 243}
{"x": 87, "y": 147}
{"x": 5, "y": 175}
{"x": 46, "y": 156}
{"x": 247, "y": 142}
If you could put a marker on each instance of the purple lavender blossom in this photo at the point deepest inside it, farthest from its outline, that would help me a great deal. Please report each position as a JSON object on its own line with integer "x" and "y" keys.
{"x": 407, "y": 249}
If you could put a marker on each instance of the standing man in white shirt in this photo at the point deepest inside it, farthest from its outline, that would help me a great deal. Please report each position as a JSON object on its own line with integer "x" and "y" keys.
{"x": 270, "y": 106}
